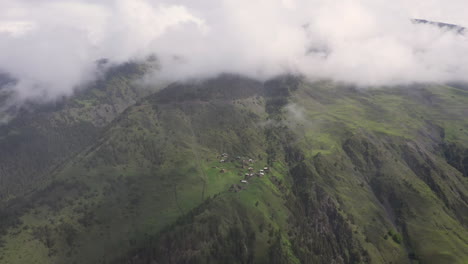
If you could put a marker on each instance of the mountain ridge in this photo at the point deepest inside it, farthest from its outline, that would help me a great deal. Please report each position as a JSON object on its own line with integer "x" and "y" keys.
{"x": 354, "y": 174}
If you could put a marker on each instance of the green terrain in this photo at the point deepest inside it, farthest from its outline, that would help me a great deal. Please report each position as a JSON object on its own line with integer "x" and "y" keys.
{"x": 124, "y": 174}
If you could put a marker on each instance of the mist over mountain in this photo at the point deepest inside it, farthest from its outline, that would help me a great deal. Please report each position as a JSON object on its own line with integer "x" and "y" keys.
{"x": 237, "y": 132}
{"x": 235, "y": 170}
{"x": 50, "y": 46}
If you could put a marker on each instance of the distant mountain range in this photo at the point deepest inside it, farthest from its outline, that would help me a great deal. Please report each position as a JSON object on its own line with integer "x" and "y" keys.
{"x": 457, "y": 28}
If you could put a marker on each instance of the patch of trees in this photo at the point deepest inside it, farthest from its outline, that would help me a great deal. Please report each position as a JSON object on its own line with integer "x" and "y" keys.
{"x": 397, "y": 237}
{"x": 87, "y": 219}
{"x": 45, "y": 235}
{"x": 201, "y": 236}
{"x": 321, "y": 234}
{"x": 457, "y": 156}
{"x": 69, "y": 233}
{"x": 276, "y": 253}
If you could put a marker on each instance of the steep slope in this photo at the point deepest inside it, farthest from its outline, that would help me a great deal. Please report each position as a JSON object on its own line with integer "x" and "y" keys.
{"x": 41, "y": 138}
{"x": 354, "y": 176}
{"x": 370, "y": 184}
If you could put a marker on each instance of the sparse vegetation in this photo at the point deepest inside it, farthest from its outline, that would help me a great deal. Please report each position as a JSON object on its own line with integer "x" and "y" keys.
{"x": 395, "y": 236}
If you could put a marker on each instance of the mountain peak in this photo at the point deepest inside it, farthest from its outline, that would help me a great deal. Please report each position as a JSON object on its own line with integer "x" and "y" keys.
{"x": 451, "y": 27}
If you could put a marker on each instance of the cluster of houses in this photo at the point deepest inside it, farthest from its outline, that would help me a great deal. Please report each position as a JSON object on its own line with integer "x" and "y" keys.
{"x": 246, "y": 164}
{"x": 251, "y": 174}
{"x": 224, "y": 157}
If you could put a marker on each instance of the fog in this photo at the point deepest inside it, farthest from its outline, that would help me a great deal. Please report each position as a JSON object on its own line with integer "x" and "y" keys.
{"x": 51, "y": 46}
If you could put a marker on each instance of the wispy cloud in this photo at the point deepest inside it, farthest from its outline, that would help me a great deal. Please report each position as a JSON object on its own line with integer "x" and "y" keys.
{"x": 51, "y": 46}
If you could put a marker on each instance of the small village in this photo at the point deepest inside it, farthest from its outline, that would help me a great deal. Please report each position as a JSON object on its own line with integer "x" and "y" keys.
{"x": 246, "y": 170}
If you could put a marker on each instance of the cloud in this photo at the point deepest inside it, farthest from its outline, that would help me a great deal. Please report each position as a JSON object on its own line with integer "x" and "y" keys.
{"x": 50, "y": 46}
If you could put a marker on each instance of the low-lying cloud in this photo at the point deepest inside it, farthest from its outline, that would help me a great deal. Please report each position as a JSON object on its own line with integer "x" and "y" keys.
{"x": 50, "y": 46}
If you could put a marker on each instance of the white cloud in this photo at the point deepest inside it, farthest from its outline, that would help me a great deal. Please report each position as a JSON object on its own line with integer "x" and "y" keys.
{"x": 55, "y": 45}
{"x": 51, "y": 45}
{"x": 15, "y": 28}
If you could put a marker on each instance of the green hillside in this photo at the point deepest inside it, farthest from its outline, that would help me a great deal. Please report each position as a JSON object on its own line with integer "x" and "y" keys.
{"x": 353, "y": 175}
{"x": 40, "y": 139}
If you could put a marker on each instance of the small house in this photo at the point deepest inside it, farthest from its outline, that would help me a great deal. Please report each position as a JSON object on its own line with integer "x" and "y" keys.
{"x": 244, "y": 181}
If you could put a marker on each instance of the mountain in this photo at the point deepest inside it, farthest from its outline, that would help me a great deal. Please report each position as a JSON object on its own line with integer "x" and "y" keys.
{"x": 42, "y": 137}
{"x": 457, "y": 28}
{"x": 117, "y": 174}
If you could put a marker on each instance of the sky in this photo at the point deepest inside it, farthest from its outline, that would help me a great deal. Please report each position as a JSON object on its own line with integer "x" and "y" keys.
{"x": 51, "y": 46}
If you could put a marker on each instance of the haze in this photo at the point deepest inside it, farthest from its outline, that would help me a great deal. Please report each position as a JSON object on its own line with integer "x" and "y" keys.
{"x": 51, "y": 46}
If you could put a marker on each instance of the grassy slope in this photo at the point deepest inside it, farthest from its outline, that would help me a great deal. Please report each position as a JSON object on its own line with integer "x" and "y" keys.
{"x": 385, "y": 128}
{"x": 377, "y": 155}
{"x": 150, "y": 163}
{"x": 348, "y": 167}
{"x": 39, "y": 140}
